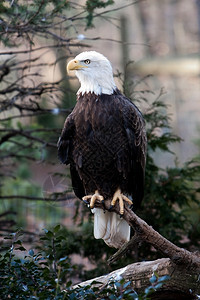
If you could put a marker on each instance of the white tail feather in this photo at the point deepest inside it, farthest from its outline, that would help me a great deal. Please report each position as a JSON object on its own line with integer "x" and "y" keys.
{"x": 108, "y": 226}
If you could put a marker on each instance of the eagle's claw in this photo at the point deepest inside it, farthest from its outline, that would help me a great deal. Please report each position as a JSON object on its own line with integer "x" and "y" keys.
{"x": 111, "y": 207}
{"x": 122, "y": 198}
{"x": 86, "y": 202}
{"x": 93, "y": 198}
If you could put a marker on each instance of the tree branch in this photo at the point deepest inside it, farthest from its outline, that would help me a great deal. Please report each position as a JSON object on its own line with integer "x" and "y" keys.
{"x": 69, "y": 196}
{"x": 27, "y": 135}
{"x": 145, "y": 233}
{"x": 123, "y": 250}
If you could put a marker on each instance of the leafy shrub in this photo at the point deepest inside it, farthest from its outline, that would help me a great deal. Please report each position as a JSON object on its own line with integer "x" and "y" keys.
{"x": 43, "y": 273}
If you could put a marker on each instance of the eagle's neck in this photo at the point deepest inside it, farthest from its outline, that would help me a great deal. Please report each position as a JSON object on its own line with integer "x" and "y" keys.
{"x": 96, "y": 83}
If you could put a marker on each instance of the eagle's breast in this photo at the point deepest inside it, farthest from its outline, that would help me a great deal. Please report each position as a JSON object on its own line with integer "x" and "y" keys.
{"x": 100, "y": 140}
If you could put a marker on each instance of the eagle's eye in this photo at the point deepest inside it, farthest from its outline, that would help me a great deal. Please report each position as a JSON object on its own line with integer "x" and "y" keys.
{"x": 87, "y": 61}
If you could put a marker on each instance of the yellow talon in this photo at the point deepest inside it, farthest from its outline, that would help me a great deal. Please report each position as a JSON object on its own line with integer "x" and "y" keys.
{"x": 93, "y": 198}
{"x": 119, "y": 196}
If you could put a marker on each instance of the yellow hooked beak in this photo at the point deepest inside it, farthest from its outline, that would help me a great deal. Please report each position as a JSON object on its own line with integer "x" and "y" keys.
{"x": 74, "y": 64}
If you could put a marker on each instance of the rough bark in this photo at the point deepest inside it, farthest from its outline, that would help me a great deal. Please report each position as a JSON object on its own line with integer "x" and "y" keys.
{"x": 183, "y": 283}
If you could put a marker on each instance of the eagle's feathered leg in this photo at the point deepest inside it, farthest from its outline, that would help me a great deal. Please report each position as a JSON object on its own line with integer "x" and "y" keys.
{"x": 119, "y": 196}
{"x": 94, "y": 197}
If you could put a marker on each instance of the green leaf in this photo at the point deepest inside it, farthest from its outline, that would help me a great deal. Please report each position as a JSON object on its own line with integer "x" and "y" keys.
{"x": 153, "y": 279}
{"x": 164, "y": 278}
{"x": 56, "y": 228}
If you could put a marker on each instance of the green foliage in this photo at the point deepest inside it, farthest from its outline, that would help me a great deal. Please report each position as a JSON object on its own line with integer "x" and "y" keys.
{"x": 33, "y": 274}
{"x": 44, "y": 273}
{"x": 91, "y": 5}
{"x": 170, "y": 192}
{"x": 20, "y": 17}
{"x": 156, "y": 283}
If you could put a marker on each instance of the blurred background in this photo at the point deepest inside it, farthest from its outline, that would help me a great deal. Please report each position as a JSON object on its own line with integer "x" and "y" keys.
{"x": 154, "y": 49}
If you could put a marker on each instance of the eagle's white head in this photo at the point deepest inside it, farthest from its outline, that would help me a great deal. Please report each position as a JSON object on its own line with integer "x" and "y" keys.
{"x": 94, "y": 72}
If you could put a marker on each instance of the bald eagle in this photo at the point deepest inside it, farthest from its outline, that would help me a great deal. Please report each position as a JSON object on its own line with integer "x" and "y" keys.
{"x": 104, "y": 141}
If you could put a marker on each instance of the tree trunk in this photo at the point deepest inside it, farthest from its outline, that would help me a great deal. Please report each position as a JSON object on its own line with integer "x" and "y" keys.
{"x": 183, "y": 283}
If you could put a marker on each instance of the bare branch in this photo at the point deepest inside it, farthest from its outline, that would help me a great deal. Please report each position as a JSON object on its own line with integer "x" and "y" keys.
{"x": 69, "y": 196}
{"x": 27, "y": 135}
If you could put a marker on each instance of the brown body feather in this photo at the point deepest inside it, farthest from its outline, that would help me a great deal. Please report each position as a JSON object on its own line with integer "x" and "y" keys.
{"x": 104, "y": 141}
